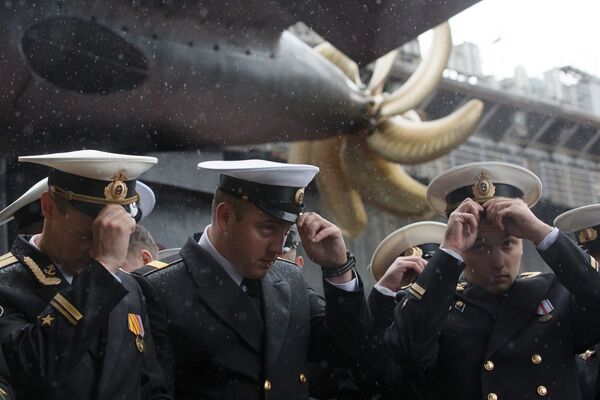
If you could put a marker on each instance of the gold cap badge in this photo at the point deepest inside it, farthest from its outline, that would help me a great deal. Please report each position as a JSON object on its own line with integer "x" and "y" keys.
{"x": 116, "y": 190}
{"x": 299, "y": 197}
{"x": 587, "y": 235}
{"x": 483, "y": 189}
{"x": 413, "y": 251}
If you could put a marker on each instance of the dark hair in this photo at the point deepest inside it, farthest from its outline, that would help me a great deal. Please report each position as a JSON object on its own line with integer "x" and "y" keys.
{"x": 238, "y": 205}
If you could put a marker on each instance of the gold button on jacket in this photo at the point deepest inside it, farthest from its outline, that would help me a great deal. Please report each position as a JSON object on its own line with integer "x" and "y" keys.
{"x": 492, "y": 396}
{"x": 536, "y": 359}
{"x": 267, "y": 385}
{"x": 303, "y": 378}
{"x": 542, "y": 391}
{"x": 488, "y": 365}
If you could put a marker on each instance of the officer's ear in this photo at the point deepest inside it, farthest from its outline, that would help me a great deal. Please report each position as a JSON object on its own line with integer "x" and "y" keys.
{"x": 48, "y": 205}
{"x": 224, "y": 215}
{"x": 146, "y": 256}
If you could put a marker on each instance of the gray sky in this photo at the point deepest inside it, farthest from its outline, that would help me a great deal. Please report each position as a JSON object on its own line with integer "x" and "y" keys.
{"x": 538, "y": 34}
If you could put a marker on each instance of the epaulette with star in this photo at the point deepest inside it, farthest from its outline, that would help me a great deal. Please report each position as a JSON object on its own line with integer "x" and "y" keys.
{"x": 158, "y": 265}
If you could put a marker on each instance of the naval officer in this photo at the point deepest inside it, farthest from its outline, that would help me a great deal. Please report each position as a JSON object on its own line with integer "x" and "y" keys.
{"x": 231, "y": 320}
{"x": 397, "y": 262}
{"x": 72, "y": 325}
{"x": 500, "y": 335}
{"x": 584, "y": 223}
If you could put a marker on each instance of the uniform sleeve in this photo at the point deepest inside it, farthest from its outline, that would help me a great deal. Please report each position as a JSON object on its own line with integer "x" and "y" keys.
{"x": 348, "y": 318}
{"x": 45, "y": 350}
{"x": 378, "y": 375}
{"x": 340, "y": 324}
{"x": 159, "y": 327}
{"x": 412, "y": 339}
{"x": 382, "y": 309}
{"x": 578, "y": 272}
{"x": 6, "y": 392}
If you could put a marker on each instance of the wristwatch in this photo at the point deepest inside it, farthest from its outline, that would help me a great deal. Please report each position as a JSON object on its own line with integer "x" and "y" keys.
{"x": 342, "y": 269}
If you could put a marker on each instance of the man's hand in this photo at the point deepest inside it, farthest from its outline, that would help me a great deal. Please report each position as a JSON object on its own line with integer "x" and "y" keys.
{"x": 110, "y": 231}
{"x": 461, "y": 230}
{"x": 323, "y": 243}
{"x": 402, "y": 272}
{"x": 322, "y": 240}
{"x": 514, "y": 217}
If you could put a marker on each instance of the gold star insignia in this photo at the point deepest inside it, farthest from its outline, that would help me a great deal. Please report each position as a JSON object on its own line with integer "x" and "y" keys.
{"x": 47, "y": 320}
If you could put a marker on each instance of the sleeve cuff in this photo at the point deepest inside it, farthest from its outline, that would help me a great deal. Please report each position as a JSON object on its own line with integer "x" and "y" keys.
{"x": 385, "y": 291}
{"x": 351, "y": 286}
{"x": 548, "y": 240}
{"x": 453, "y": 254}
{"x": 114, "y": 274}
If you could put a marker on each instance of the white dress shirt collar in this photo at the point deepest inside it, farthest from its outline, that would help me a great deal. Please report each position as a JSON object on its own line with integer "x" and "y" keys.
{"x": 205, "y": 244}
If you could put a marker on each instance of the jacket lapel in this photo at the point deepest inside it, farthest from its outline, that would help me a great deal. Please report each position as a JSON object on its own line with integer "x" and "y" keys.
{"x": 220, "y": 293}
{"x": 518, "y": 309}
{"x": 276, "y": 300}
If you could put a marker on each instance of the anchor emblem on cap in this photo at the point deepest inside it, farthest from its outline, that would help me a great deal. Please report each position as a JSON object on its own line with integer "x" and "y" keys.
{"x": 299, "y": 197}
{"x": 587, "y": 235}
{"x": 116, "y": 190}
{"x": 413, "y": 251}
{"x": 483, "y": 189}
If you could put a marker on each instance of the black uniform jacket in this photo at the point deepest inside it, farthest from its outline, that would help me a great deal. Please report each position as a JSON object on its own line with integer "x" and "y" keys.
{"x": 6, "y": 392}
{"x": 213, "y": 343}
{"x": 519, "y": 345}
{"x": 65, "y": 341}
{"x": 588, "y": 366}
{"x": 381, "y": 377}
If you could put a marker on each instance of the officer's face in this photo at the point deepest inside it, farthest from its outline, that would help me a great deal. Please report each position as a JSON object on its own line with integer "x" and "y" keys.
{"x": 255, "y": 241}
{"x": 494, "y": 260}
{"x": 68, "y": 239}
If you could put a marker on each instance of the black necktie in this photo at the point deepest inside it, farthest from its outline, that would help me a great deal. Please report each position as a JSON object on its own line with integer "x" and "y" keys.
{"x": 252, "y": 288}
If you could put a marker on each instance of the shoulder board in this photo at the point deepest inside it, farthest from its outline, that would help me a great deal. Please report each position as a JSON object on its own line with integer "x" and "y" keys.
{"x": 526, "y": 275}
{"x": 157, "y": 265}
{"x": 594, "y": 263}
{"x": 285, "y": 260}
{"x": 8, "y": 259}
